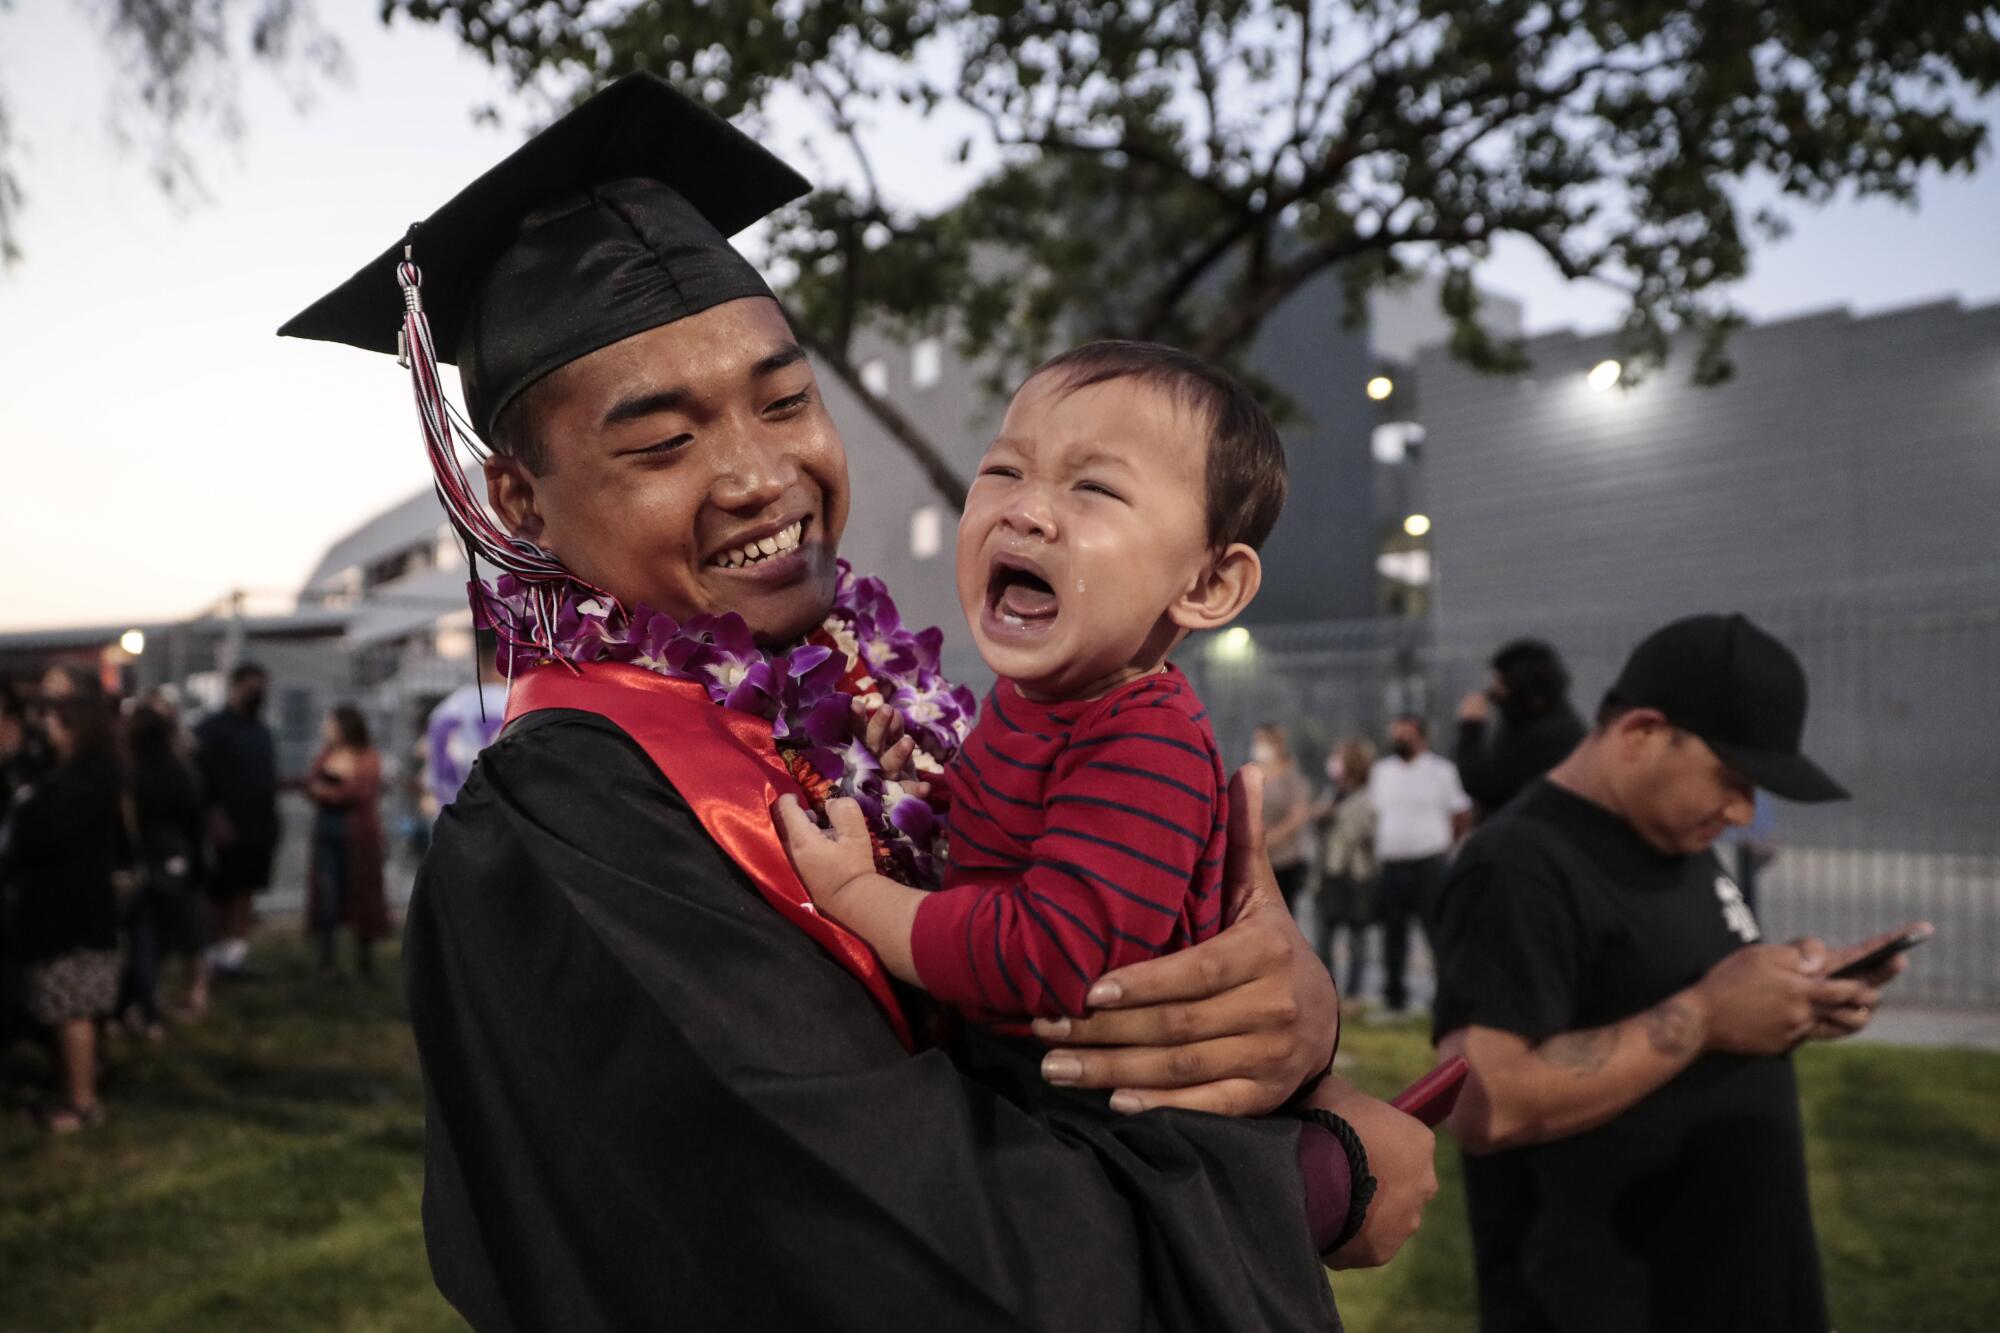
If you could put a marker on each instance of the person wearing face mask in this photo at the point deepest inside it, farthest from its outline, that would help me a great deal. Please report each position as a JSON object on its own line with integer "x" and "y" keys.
{"x": 1421, "y": 811}
{"x": 238, "y": 760}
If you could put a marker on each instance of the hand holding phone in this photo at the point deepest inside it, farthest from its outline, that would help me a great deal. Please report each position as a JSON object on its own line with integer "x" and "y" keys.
{"x": 1875, "y": 953}
{"x": 1431, "y": 1097}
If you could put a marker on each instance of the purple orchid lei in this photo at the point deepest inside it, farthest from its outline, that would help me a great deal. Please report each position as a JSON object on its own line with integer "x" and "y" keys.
{"x": 806, "y": 692}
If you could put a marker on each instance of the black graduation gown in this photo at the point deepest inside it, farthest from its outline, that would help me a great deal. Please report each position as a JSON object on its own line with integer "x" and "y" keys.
{"x": 654, "y": 1103}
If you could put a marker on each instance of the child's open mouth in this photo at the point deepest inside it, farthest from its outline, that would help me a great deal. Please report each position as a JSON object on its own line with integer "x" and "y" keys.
{"x": 1019, "y": 596}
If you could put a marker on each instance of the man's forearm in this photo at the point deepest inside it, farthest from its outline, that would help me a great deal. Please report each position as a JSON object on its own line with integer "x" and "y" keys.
{"x": 1522, "y": 1094}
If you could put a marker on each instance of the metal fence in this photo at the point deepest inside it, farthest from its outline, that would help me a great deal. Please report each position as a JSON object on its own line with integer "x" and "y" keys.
{"x": 1904, "y": 712}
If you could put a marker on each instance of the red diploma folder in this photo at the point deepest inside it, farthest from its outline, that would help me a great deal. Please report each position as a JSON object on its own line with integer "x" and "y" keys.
{"x": 1431, "y": 1097}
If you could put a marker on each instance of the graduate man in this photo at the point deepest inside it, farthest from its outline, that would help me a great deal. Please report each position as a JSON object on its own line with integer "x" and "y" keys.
{"x": 661, "y": 1091}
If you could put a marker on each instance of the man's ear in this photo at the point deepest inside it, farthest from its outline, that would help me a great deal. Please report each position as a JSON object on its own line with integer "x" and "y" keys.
{"x": 1635, "y": 728}
{"x": 1224, "y": 589}
{"x": 510, "y": 489}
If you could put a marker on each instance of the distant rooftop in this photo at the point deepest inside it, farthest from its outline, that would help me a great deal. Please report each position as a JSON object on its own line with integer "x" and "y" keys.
{"x": 406, "y": 524}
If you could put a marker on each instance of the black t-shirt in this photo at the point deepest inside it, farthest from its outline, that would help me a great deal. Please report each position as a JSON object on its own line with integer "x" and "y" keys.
{"x": 1496, "y": 765}
{"x": 239, "y": 766}
{"x": 1689, "y": 1211}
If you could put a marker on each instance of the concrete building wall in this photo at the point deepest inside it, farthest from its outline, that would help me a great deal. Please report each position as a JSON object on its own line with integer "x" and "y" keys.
{"x": 1846, "y": 453}
{"x": 1320, "y": 561}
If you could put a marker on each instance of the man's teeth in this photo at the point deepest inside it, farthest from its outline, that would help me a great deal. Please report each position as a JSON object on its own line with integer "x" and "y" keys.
{"x": 750, "y": 553}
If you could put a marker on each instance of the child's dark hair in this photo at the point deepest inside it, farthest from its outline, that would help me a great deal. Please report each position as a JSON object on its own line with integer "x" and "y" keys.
{"x": 1246, "y": 459}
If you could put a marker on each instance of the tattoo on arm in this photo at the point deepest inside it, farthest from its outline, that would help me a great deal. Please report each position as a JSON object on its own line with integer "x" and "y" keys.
{"x": 1582, "y": 1053}
{"x": 1673, "y": 1028}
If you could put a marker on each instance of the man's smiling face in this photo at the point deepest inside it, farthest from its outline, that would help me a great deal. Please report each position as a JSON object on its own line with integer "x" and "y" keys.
{"x": 691, "y": 468}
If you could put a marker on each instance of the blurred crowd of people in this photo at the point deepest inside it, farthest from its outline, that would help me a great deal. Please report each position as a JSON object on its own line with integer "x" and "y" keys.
{"x": 132, "y": 847}
{"x": 1373, "y": 845}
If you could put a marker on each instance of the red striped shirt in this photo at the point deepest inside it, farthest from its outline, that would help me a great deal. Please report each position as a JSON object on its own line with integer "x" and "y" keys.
{"x": 1083, "y": 835}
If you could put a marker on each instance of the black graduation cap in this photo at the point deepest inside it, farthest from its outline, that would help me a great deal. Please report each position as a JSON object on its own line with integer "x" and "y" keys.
{"x": 609, "y": 222}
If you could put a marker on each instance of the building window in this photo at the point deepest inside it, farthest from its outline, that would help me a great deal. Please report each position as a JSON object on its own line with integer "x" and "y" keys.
{"x": 926, "y": 364}
{"x": 343, "y": 589}
{"x": 875, "y": 376}
{"x": 926, "y": 532}
{"x": 388, "y": 569}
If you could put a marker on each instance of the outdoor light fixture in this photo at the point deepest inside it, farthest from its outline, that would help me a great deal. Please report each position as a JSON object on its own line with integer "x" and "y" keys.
{"x": 1417, "y": 524}
{"x": 1232, "y": 645}
{"x": 133, "y": 641}
{"x": 1381, "y": 387}
{"x": 1603, "y": 375}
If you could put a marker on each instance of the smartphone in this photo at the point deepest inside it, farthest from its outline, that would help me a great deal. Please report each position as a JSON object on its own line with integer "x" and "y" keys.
{"x": 1431, "y": 1097}
{"x": 1875, "y": 957}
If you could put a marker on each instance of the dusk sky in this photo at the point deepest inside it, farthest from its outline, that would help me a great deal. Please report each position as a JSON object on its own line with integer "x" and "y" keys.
{"x": 163, "y": 447}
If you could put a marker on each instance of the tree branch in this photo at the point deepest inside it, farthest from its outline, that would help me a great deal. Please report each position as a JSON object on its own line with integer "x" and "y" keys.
{"x": 1249, "y": 314}
{"x": 1050, "y": 141}
{"x": 848, "y": 128}
{"x": 1053, "y": 141}
{"x": 1205, "y": 79}
{"x": 1339, "y": 78}
{"x": 944, "y": 478}
{"x": 1305, "y": 80}
{"x": 853, "y": 244}
{"x": 1158, "y": 308}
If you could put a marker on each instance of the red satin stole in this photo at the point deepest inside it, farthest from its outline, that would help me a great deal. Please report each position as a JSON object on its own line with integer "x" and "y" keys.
{"x": 725, "y": 765}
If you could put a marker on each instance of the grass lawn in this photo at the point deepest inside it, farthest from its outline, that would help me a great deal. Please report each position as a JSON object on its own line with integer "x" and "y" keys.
{"x": 261, "y": 1170}
{"x": 1903, "y": 1147}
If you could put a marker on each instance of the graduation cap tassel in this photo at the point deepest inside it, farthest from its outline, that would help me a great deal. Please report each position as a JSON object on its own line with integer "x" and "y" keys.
{"x": 545, "y": 576}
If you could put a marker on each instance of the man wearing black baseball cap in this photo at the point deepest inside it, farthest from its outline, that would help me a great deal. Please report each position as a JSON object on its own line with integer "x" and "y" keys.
{"x": 1723, "y": 680}
{"x": 1633, "y": 1153}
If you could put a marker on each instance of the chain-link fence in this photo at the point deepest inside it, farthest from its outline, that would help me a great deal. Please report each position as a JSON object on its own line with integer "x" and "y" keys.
{"x": 1903, "y": 713}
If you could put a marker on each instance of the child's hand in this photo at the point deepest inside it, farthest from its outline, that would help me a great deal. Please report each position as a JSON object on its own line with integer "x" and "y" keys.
{"x": 838, "y": 870}
{"x": 827, "y": 861}
{"x": 884, "y": 737}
